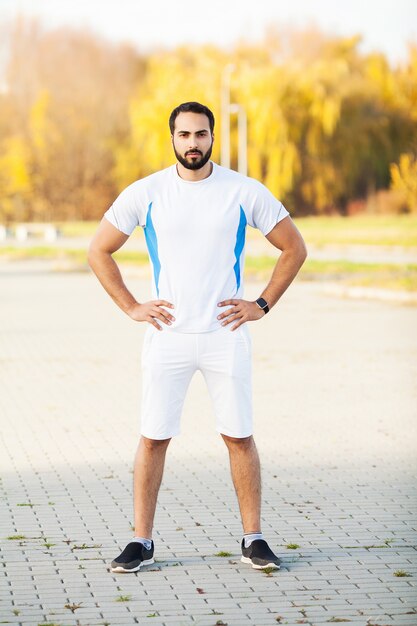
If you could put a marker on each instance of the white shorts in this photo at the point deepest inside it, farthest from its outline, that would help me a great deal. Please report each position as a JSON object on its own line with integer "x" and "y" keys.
{"x": 169, "y": 360}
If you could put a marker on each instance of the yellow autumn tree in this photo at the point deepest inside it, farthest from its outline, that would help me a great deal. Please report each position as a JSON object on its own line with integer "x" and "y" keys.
{"x": 81, "y": 118}
{"x": 404, "y": 180}
{"x": 15, "y": 180}
{"x": 170, "y": 80}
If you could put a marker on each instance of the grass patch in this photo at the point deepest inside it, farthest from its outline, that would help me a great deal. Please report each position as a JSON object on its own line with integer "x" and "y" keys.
{"x": 15, "y": 253}
{"x": 222, "y": 553}
{"x": 292, "y": 546}
{"x": 16, "y": 537}
{"x": 77, "y": 229}
{"x": 123, "y": 598}
{"x": 78, "y": 256}
{"x": 132, "y": 258}
{"x": 400, "y": 573}
{"x": 376, "y": 275}
{"x": 380, "y": 230}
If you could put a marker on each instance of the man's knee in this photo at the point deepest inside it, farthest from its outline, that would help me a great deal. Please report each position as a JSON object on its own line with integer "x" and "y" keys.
{"x": 154, "y": 444}
{"x": 237, "y": 441}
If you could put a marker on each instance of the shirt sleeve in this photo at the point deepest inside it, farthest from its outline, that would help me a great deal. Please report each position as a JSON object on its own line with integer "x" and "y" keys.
{"x": 127, "y": 211}
{"x": 266, "y": 211}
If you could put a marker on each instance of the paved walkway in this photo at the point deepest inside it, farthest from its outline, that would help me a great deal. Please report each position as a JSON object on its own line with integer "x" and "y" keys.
{"x": 335, "y": 401}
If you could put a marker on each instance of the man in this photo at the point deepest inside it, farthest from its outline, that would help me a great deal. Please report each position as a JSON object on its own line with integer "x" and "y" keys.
{"x": 194, "y": 215}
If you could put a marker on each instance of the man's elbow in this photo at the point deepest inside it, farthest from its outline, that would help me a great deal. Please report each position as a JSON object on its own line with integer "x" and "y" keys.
{"x": 302, "y": 252}
{"x": 93, "y": 253}
{"x": 298, "y": 251}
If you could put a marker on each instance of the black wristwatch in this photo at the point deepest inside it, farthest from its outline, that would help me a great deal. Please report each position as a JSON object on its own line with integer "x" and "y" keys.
{"x": 262, "y": 304}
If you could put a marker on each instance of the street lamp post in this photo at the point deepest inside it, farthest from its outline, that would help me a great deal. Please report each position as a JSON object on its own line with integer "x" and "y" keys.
{"x": 242, "y": 159}
{"x": 225, "y": 115}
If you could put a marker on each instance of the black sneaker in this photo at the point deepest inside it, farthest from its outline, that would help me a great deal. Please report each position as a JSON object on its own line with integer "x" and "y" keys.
{"x": 260, "y": 555}
{"x": 133, "y": 557}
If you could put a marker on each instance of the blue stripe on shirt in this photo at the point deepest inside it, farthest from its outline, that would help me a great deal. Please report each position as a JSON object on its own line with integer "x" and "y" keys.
{"x": 240, "y": 243}
{"x": 152, "y": 243}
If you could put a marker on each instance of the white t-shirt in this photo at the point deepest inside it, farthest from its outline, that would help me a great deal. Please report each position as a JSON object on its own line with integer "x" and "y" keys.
{"x": 195, "y": 233}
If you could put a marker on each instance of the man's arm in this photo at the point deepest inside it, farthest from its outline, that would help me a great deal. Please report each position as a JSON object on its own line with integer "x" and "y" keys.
{"x": 105, "y": 242}
{"x": 286, "y": 237}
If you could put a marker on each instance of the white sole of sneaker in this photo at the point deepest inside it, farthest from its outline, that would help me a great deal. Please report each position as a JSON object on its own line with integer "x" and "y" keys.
{"x": 246, "y": 559}
{"x": 121, "y": 570}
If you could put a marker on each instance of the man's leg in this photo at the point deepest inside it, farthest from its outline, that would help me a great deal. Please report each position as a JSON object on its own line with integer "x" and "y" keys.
{"x": 149, "y": 467}
{"x": 246, "y": 475}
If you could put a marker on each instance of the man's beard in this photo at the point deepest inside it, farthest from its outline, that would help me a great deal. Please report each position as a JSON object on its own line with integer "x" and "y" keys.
{"x": 197, "y": 163}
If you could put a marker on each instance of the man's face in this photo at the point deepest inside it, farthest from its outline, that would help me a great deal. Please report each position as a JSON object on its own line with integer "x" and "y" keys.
{"x": 192, "y": 140}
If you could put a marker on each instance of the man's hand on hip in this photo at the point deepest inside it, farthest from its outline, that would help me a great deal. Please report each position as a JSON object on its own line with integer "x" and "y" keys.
{"x": 151, "y": 311}
{"x": 242, "y": 311}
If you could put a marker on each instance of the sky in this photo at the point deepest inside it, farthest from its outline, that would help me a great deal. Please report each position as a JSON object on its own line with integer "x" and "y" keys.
{"x": 385, "y": 25}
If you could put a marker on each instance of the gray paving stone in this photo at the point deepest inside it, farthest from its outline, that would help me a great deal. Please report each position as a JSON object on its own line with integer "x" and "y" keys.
{"x": 62, "y": 444}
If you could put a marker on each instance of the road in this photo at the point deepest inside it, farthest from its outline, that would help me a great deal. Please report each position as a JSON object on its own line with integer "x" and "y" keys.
{"x": 335, "y": 396}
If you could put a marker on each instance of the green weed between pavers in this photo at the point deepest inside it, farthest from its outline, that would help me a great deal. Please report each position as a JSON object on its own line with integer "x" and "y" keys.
{"x": 268, "y": 570}
{"x": 222, "y": 553}
{"x": 84, "y": 546}
{"x": 292, "y": 546}
{"x": 339, "y": 619}
{"x": 16, "y": 537}
{"x": 73, "y": 607}
{"x": 123, "y": 598}
{"x": 400, "y": 573}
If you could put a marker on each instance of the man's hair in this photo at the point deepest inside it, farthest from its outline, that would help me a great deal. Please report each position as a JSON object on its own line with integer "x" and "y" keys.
{"x": 194, "y": 107}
